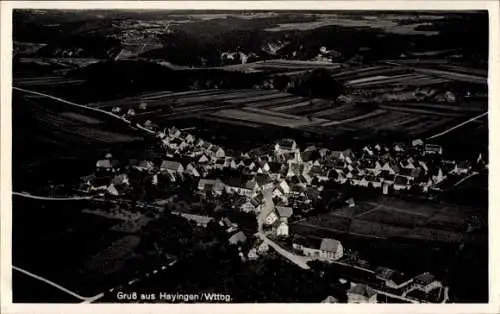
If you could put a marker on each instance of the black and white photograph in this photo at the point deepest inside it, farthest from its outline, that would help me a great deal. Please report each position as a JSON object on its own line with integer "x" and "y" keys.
{"x": 250, "y": 156}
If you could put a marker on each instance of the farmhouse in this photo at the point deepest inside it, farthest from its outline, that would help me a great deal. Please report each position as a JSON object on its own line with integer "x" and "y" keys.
{"x": 321, "y": 249}
{"x": 202, "y": 221}
{"x": 238, "y": 238}
{"x": 104, "y": 164}
{"x": 401, "y": 183}
{"x": 264, "y": 181}
{"x": 426, "y": 282}
{"x": 145, "y": 165}
{"x": 285, "y": 145}
{"x": 282, "y": 230}
{"x": 171, "y": 167}
{"x": 284, "y": 212}
{"x": 392, "y": 279}
{"x": 461, "y": 168}
{"x": 192, "y": 171}
{"x": 433, "y": 149}
{"x": 216, "y": 186}
{"x": 241, "y": 186}
{"x": 361, "y": 293}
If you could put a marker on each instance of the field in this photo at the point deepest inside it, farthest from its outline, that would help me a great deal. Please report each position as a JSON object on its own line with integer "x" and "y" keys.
{"x": 396, "y": 218}
{"x": 273, "y": 108}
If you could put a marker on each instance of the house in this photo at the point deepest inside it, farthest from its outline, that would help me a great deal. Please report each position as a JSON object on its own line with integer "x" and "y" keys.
{"x": 203, "y": 159}
{"x": 310, "y": 156}
{"x": 192, "y": 171}
{"x": 121, "y": 179}
{"x": 387, "y": 177}
{"x": 263, "y": 166}
{"x": 410, "y": 173}
{"x": 439, "y": 177}
{"x": 374, "y": 181}
{"x": 285, "y": 145}
{"x": 350, "y": 202}
{"x": 237, "y": 238}
{"x": 248, "y": 207}
{"x": 363, "y": 182}
{"x": 361, "y": 293}
{"x": 112, "y": 190}
{"x": 282, "y": 230}
{"x": 392, "y": 168}
{"x": 252, "y": 254}
{"x": 171, "y": 167}
{"x": 433, "y": 149}
{"x": 219, "y": 164}
{"x": 264, "y": 181}
{"x": 401, "y": 183}
{"x": 426, "y": 282}
{"x": 417, "y": 142}
{"x": 145, "y": 165}
{"x": 321, "y": 249}
{"x": 189, "y": 139}
{"x": 173, "y": 132}
{"x": 216, "y": 186}
{"x": 104, "y": 164}
{"x": 241, "y": 186}
{"x": 271, "y": 218}
{"x": 217, "y": 152}
{"x": 330, "y": 299}
{"x": 461, "y": 168}
{"x": 392, "y": 278}
{"x": 200, "y": 220}
{"x": 284, "y": 212}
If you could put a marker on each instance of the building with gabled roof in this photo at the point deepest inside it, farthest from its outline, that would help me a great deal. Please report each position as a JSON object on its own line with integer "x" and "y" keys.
{"x": 171, "y": 166}
{"x": 321, "y": 249}
{"x": 361, "y": 293}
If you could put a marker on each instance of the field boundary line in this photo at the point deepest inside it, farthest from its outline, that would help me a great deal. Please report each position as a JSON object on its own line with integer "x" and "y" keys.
{"x": 368, "y": 115}
{"x": 457, "y": 126}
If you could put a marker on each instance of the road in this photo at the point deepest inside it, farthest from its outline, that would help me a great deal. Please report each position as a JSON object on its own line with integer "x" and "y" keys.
{"x": 53, "y": 284}
{"x": 458, "y": 126}
{"x": 100, "y": 295}
{"x": 45, "y": 198}
{"x": 465, "y": 178}
{"x": 72, "y": 103}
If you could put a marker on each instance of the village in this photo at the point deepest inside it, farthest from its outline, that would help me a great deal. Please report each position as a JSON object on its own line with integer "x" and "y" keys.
{"x": 278, "y": 184}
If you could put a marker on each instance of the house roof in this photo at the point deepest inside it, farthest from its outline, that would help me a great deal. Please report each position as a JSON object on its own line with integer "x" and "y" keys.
{"x": 263, "y": 179}
{"x": 330, "y": 299}
{"x": 104, "y": 163}
{"x": 329, "y": 245}
{"x": 399, "y": 180}
{"x": 363, "y": 290}
{"x": 119, "y": 179}
{"x": 237, "y": 237}
{"x": 410, "y": 172}
{"x": 385, "y": 273}
{"x": 286, "y": 143}
{"x": 307, "y": 241}
{"x": 310, "y": 155}
{"x": 240, "y": 182}
{"x": 170, "y": 165}
{"x": 424, "y": 279}
{"x": 284, "y": 211}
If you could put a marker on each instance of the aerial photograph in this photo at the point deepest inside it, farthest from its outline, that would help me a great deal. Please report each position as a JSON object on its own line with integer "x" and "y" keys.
{"x": 189, "y": 156}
